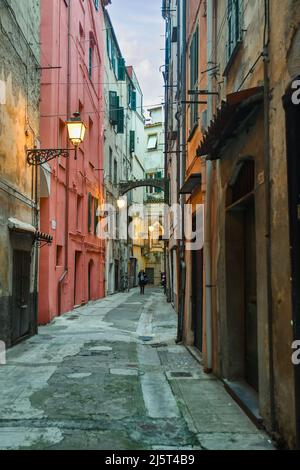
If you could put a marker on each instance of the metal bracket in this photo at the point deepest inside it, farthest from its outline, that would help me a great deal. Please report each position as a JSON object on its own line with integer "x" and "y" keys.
{"x": 38, "y": 157}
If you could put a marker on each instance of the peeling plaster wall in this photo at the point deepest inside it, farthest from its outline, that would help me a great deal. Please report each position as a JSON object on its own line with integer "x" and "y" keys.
{"x": 284, "y": 65}
{"x": 19, "y": 128}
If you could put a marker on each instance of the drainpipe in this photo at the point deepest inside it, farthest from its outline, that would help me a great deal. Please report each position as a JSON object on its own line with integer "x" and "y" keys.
{"x": 268, "y": 206}
{"x": 64, "y": 275}
{"x": 167, "y": 187}
{"x": 182, "y": 163}
{"x": 208, "y": 201}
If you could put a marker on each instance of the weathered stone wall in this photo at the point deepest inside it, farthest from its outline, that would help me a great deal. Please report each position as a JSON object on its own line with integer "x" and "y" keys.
{"x": 284, "y": 66}
{"x": 246, "y": 71}
{"x": 19, "y": 128}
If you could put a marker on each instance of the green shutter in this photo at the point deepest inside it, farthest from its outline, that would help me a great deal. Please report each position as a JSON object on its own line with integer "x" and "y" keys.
{"x": 120, "y": 125}
{"x": 96, "y": 219}
{"x": 121, "y": 69}
{"x": 113, "y": 108}
{"x": 158, "y": 176}
{"x": 133, "y": 100}
{"x": 132, "y": 142}
{"x": 90, "y": 206}
{"x": 129, "y": 95}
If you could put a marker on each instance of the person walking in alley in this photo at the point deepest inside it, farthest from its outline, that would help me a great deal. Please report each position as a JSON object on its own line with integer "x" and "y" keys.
{"x": 142, "y": 281}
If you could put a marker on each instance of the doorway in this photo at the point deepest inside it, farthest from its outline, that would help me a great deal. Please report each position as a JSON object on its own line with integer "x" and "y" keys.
{"x": 117, "y": 275}
{"x": 90, "y": 280}
{"x": 250, "y": 320}
{"x": 292, "y": 114}
{"x": 197, "y": 295}
{"x": 241, "y": 276}
{"x": 78, "y": 279}
{"x": 21, "y": 295}
{"x": 150, "y": 275}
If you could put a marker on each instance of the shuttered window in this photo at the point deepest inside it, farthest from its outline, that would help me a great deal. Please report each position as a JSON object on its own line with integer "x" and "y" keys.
{"x": 121, "y": 119}
{"x": 133, "y": 100}
{"x": 234, "y": 25}
{"x": 121, "y": 69}
{"x": 194, "y": 76}
{"x": 96, "y": 218}
{"x": 90, "y": 212}
{"x": 113, "y": 107}
{"x": 132, "y": 142}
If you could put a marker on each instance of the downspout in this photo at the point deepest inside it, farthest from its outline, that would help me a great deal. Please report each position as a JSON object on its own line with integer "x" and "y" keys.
{"x": 268, "y": 207}
{"x": 208, "y": 202}
{"x": 182, "y": 163}
{"x": 64, "y": 275}
{"x": 167, "y": 187}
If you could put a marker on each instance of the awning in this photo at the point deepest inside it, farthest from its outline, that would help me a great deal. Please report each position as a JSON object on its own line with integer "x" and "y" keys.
{"x": 232, "y": 115}
{"x": 22, "y": 227}
{"x": 19, "y": 226}
{"x": 193, "y": 182}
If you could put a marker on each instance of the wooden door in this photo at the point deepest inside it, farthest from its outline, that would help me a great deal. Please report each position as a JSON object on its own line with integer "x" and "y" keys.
{"x": 21, "y": 294}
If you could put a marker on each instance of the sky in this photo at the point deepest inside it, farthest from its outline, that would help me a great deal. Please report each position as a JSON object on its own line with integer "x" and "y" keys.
{"x": 140, "y": 29}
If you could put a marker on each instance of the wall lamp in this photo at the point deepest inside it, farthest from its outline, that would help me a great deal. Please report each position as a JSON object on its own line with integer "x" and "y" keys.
{"x": 76, "y": 132}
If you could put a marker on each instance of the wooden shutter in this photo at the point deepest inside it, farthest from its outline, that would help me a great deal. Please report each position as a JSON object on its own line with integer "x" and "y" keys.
{"x": 132, "y": 142}
{"x": 113, "y": 108}
{"x": 96, "y": 219}
{"x": 90, "y": 208}
{"x": 121, "y": 69}
{"x": 133, "y": 100}
{"x": 120, "y": 125}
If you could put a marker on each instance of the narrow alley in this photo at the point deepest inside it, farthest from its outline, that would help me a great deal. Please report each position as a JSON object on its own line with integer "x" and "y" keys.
{"x": 110, "y": 376}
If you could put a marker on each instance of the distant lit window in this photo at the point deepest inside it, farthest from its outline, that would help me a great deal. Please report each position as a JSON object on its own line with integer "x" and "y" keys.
{"x": 152, "y": 142}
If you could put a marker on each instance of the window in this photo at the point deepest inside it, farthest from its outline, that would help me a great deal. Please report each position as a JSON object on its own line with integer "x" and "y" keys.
{"x": 132, "y": 142}
{"x": 91, "y": 55}
{"x": 110, "y": 164}
{"x": 150, "y": 189}
{"x": 90, "y": 62}
{"x": 96, "y": 218}
{"x": 96, "y": 2}
{"x": 90, "y": 212}
{"x": 152, "y": 142}
{"x": 234, "y": 25}
{"x": 115, "y": 172}
{"x": 121, "y": 120}
{"x": 121, "y": 69}
{"x": 59, "y": 257}
{"x": 79, "y": 213}
{"x": 194, "y": 75}
{"x": 113, "y": 107}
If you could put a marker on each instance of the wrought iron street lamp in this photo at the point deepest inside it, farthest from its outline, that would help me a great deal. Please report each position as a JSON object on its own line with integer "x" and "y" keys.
{"x": 121, "y": 203}
{"x": 76, "y": 132}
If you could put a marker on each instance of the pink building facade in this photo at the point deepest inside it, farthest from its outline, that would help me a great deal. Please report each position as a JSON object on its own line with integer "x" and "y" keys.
{"x": 72, "y": 269}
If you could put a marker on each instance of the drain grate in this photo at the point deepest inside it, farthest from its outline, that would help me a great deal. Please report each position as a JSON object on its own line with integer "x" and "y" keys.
{"x": 72, "y": 318}
{"x": 181, "y": 375}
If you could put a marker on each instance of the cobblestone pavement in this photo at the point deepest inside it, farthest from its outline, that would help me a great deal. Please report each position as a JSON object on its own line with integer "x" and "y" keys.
{"x": 109, "y": 376}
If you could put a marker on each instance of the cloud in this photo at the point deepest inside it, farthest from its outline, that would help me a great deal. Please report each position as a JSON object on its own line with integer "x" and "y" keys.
{"x": 140, "y": 35}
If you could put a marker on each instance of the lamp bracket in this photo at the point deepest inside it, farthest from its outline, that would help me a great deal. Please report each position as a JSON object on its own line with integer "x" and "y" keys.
{"x": 37, "y": 157}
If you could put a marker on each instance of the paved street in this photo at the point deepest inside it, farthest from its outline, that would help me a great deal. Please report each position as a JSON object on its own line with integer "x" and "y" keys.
{"x": 109, "y": 376}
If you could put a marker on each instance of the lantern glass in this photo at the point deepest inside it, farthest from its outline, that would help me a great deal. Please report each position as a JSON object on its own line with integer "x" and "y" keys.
{"x": 76, "y": 131}
{"x": 121, "y": 203}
